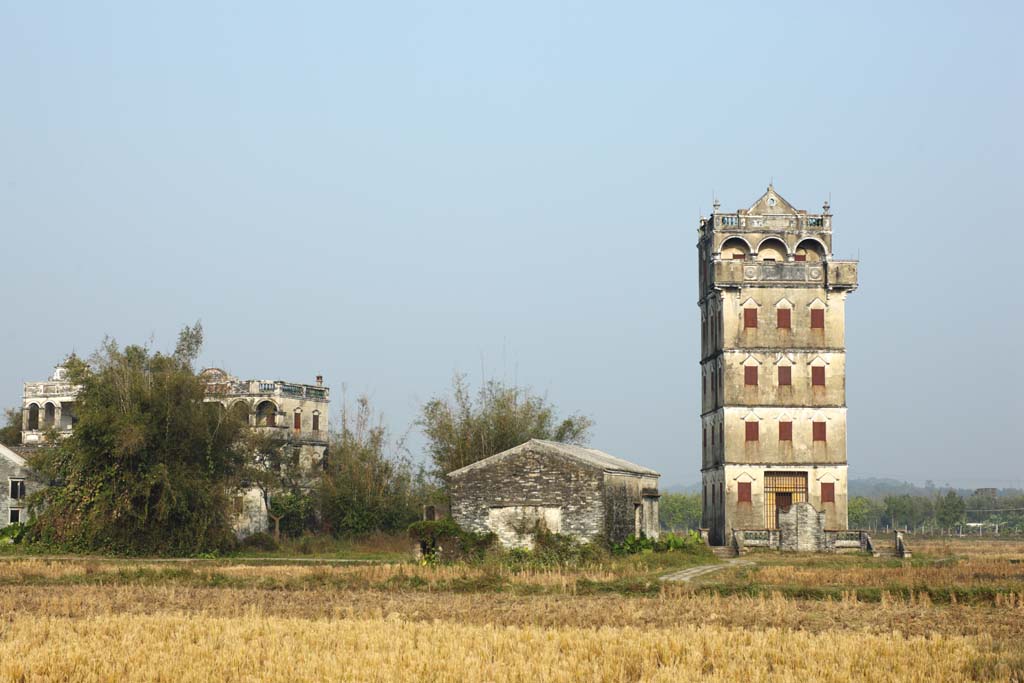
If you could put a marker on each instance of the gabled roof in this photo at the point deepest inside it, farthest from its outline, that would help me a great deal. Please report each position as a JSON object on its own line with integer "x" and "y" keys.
{"x": 9, "y": 454}
{"x": 587, "y": 456}
{"x": 771, "y": 202}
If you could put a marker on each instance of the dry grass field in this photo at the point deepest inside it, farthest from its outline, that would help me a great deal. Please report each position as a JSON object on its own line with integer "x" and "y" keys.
{"x": 114, "y": 620}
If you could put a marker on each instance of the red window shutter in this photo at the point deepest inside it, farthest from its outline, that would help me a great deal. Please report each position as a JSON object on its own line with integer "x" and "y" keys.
{"x": 828, "y": 492}
{"x": 817, "y": 318}
{"x": 750, "y": 375}
{"x": 785, "y": 431}
{"x": 298, "y": 421}
{"x": 738, "y": 257}
{"x": 743, "y": 491}
{"x": 819, "y": 431}
{"x": 751, "y": 431}
{"x": 749, "y": 317}
{"x": 785, "y": 375}
{"x": 818, "y": 376}
{"x": 782, "y": 318}
{"x": 799, "y": 257}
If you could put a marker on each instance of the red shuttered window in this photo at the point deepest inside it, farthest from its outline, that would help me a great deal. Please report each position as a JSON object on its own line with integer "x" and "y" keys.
{"x": 818, "y": 376}
{"x": 782, "y": 318}
{"x": 819, "y": 431}
{"x": 749, "y": 318}
{"x": 785, "y": 376}
{"x": 743, "y": 491}
{"x": 817, "y": 318}
{"x": 828, "y": 492}
{"x": 751, "y": 431}
{"x": 738, "y": 257}
{"x": 298, "y": 421}
{"x": 799, "y": 257}
{"x": 750, "y": 375}
{"x": 785, "y": 431}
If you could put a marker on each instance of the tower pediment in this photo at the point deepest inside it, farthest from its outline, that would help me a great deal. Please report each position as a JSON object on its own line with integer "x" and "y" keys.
{"x": 771, "y": 203}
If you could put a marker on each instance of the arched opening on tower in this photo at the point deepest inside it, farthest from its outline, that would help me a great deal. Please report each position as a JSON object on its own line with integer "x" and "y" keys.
{"x": 33, "y": 417}
{"x": 734, "y": 248}
{"x": 49, "y": 415}
{"x": 809, "y": 250}
{"x": 772, "y": 250}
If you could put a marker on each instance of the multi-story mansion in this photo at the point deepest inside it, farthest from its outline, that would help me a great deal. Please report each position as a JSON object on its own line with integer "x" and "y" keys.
{"x": 297, "y": 412}
{"x": 773, "y": 366}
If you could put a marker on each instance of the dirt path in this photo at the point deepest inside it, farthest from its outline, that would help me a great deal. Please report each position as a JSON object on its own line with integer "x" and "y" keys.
{"x": 693, "y": 572}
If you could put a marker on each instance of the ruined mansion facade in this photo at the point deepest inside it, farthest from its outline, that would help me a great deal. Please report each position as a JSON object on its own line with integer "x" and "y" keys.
{"x": 773, "y": 367}
{"x": 296, "y": 412}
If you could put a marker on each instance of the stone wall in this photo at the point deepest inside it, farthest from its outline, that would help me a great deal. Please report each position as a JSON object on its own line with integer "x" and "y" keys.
{"x": 802, "y": 529}
{"x": 527, "y": 486}
{"x": 623, "y": 493}
{"x": 12, "y": 469}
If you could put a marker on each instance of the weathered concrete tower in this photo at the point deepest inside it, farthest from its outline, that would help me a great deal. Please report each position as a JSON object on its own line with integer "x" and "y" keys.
{"x": 773, "y": 366}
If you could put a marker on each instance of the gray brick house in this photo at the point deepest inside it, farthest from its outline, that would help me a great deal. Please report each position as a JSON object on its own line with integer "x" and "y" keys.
{"x": 580, "y": 492}
{"x": 17, "y": 481}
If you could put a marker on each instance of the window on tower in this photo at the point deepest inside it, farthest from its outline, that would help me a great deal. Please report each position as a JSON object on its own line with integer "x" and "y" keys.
{"x": 819, "y": 431}
{"x": 752, "y": 431}
{"x": 828, "y": 492}
{"x": 749, "y": 318}
{"x": 817, "y": 318}
{"x": 818, "y": 376}
{"x": 750, "y": 375}
{"x": 785, "y": 376}
{"x": 743, "y": 492}
{"x": 782, "y": 318}
{"x": 785, "y": 431}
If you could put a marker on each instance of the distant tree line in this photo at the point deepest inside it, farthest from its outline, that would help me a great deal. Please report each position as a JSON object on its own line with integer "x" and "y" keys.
{"x": 153, "y": 468}
{"x": 947, "y": 512}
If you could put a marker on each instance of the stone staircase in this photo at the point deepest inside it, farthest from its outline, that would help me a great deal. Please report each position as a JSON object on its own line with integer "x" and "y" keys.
{"x": 723, "y": 552}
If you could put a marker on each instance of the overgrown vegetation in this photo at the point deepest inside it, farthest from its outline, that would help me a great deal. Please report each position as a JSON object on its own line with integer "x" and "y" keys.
{"x": 369, "y": 484}
{"x": 10, "y": 433}
{"x": 463, "y": 427}
{"x": 149, "y": 464}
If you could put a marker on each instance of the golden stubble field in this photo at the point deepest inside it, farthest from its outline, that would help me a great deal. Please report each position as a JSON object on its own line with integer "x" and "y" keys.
{"x": 105, "y": 620}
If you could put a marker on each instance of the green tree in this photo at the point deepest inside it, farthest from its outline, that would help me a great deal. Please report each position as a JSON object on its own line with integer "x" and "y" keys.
{"x": 949, "y": 510}
{"x": 149, "y": 464}
{"x": 369, "y": 484}
{"x": 679, "y": 511}
{"x": 865, "y": 513}
{"x": 463, "y": 428}
{"x": 272, "y": 466}
{"x": 10, "y": 433}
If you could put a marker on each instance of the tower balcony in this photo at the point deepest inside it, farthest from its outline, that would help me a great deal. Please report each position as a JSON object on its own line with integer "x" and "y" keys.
{"x": 834, "y": 274}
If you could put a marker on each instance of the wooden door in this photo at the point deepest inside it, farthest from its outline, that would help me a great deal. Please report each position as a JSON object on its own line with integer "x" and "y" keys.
{"x": 783, "y": 501}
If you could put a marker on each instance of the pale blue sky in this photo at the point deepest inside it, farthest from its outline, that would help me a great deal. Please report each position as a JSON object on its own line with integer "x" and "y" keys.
{"x": 386, "y": 193}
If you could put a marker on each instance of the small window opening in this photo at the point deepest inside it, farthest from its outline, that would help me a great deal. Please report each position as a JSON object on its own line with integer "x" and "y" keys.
{"x": 743, "y": 491}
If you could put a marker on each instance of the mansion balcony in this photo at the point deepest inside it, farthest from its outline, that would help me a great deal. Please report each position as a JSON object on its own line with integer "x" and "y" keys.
{"x": 292, "y": 435}
{"x": 833, "y": 274}
{"x": 263, "y": 388}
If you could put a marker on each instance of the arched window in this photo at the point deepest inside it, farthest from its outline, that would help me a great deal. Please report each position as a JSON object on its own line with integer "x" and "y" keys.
{"x": 734, "y": 248}
{"x": 49, "y": 415}
{"x": 266, "y": 413}
{"x": 771, "y": 250}
{"x": 33, "y": 417}
{"x": 240, "y": 411}
{"x": 809, "y": 250}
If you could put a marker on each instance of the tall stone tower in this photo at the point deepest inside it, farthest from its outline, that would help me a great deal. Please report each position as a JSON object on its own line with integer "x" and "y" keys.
{"x": 773, "y": 366}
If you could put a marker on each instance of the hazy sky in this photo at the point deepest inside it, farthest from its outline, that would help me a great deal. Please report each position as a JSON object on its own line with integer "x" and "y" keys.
{"x": 386, "y": 193}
